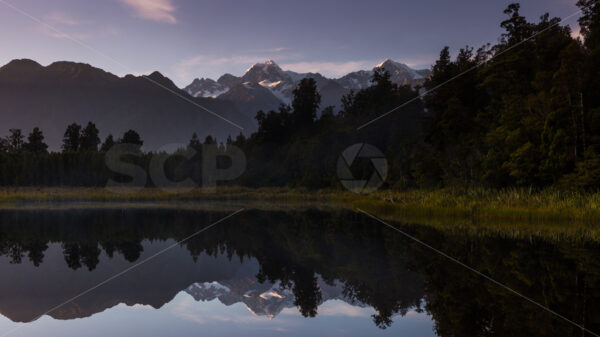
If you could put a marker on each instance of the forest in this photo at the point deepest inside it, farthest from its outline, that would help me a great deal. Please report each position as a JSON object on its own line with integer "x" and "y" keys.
{"x": 523, "y": 112}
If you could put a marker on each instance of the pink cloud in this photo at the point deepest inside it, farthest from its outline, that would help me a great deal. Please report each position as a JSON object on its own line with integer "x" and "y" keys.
{"x": 155, "y": 10}
{"x": 60, "y": 18}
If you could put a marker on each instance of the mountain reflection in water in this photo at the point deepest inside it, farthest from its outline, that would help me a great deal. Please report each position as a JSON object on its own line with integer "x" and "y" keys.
{"x": 273, "y": 262}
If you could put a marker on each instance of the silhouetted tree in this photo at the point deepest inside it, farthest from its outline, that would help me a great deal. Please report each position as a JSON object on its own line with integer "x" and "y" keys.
{"x": 516, "y": 26}
{"x": 72, "y": 138}
{"x": 15, "y": 141}
{"x": 589, "y": 22}
{"x": 35, "y": 142}
{"x": 109, "y": 142}
{"x": 195, "y": 142}
{"x": 131, "y": 137}
{"x": 305, "y": 103}
{"x": 89, "y": 138}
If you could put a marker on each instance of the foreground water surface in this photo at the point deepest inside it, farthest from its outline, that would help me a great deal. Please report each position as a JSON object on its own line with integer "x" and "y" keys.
{"x": 77, "y": 272}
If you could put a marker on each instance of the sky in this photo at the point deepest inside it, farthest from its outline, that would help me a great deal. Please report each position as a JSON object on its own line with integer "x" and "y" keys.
{"x": 185, "y": 39}
{"x": 183, "y": 316}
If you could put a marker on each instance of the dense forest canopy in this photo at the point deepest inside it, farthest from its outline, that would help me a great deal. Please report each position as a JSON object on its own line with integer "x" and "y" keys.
{"x": 522, "y": 112}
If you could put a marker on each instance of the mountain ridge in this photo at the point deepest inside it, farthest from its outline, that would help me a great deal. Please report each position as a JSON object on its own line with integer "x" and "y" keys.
{"x": 281, "y": 84}
{"x": 54, "y": 96}
{"x": 51, "y": 97}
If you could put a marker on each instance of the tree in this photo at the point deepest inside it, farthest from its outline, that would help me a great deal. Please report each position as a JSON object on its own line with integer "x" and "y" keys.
{"x": 35, "y": 142}
{"x": 3, "y": 145}
{"x": 195, "y": 142}
{"x": 15, "y": 141}
{"x": 305, "y": 103}
{"x": 209, "y": 140}
{"x": 72, "y": 138}
{"x": 590, "y": 22}
{"x": 516, "y": 26}
{"x": 274, "y": 127}
{"x": 381, "y": 80}
{"x": 131, "y": 137}
{"x": 89, "y": 138}
{"x": 590, "y": 30}
{"x": 109, "y": 142}
{"x": 586, "y": 174}
{"x": 240, "y": 140}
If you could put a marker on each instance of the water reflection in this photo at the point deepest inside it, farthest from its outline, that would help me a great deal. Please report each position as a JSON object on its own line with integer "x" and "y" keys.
{"x": 271, "y": 262}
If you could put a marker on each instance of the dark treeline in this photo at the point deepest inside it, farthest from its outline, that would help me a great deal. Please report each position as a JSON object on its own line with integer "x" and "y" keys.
{"x": 26, "y": 160}
{"x": 529, "y": 116}
{"x": 522, "y": 112}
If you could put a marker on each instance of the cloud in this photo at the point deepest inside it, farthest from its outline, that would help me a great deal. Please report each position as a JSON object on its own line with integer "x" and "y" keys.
{"x": 60, "y": 18}
{"x": 184, "y": 68}
{"x": 215, "y": 312}
{"x": 338, "y": 69}
{"x": 329, "y": 68}
{"x": 340, "y": 308}
{"x": 155, "y": 10}
{"x": 60, "y": 25}
{"x": 187, "y": 69}
{"x": 110, "y": 30}
{"x": 62, "y": 35}
{"x": 337, "y": 308}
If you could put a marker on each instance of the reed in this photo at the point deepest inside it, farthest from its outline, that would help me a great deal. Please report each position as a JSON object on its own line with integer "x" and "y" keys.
{"x": 522, "y": 205}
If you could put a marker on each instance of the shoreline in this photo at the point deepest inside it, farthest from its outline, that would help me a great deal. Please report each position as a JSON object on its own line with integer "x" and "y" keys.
{"x": 555, "y": 215}
{"x": 477, "y": 205}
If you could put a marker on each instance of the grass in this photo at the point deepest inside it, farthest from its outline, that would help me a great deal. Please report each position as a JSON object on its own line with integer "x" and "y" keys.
{"x": 515, "y": 204}
{"x": 97, "y": 194}
{"x": 482, "y": 204}
{"x": 511, "y": 212}
{"x": 514, "y": 213}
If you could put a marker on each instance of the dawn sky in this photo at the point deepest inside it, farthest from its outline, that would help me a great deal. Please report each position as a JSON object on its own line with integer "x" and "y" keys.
{"x": 185, "y": 39}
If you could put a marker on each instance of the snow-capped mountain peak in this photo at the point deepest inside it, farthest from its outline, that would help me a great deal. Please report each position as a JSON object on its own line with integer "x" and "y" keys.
{"x": 261, "y": 299}
{"x": 206, "y": 87}
{"x": 389, "y": 63}
{"x": 207, "y": 291}
{"x": 264, "y": 86}
{"x": 265, "y": 71}
{"x": 400, "y": 72}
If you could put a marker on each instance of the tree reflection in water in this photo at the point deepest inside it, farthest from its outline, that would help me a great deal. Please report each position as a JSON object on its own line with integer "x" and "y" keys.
{"x": 376, "y": 266}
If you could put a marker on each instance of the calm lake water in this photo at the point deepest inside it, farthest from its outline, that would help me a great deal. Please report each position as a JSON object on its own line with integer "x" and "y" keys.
{"x": 279, "y": 273}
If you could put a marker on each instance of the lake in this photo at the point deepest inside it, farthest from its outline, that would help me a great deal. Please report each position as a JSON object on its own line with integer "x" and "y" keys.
{"x": 141, "y": 271}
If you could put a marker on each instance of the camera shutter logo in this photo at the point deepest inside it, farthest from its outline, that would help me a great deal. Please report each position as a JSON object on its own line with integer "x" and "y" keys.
{"x": 362, "y": 150}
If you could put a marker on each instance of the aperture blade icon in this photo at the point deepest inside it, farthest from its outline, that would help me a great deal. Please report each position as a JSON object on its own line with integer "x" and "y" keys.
{"x": 378, "y": 161}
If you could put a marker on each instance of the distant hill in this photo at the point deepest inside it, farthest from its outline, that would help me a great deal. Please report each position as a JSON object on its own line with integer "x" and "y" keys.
{"x": 64, "y": 92}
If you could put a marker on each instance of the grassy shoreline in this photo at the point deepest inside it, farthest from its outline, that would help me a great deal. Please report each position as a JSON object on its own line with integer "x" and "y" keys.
{"x": 476, "y": 204}
{"x": 512, "y": 213}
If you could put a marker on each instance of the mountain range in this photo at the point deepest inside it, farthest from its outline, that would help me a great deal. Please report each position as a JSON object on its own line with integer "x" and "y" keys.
{"x": 61, "y": 93}
{"x": 154, "y": 284}
{"x": 262, "y": 299}
{"x": 51, "y": 97}
{"x": 265, "y": 85}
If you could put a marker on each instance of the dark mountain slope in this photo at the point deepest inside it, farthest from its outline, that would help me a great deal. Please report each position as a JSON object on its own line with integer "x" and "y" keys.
{"x": 64, "y": 92}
